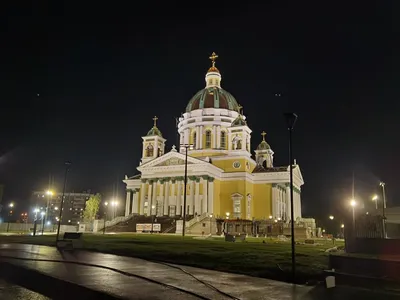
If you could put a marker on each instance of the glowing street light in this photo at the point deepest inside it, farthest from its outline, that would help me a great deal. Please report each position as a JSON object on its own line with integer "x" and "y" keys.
{"x": 353, "y": 204}
{"x": 152, "y": 218}
{"x": 11, "y": 205}
{"x": 331, "y": 217}
{"x": 342, "y": 226}
{"x": 375, "y": 198}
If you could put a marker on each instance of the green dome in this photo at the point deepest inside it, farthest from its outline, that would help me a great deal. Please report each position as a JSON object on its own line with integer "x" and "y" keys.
{"x": 239, "y": 121}
{"x": 263, "y": 146}
{"x": 212, "y": 97}
{"x": 154, "y": 131}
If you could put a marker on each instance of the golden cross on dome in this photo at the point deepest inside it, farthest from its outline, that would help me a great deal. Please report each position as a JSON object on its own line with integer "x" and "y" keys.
{"x": 240, "y": 111}
{"x": 263, "y": 135}
{"x": 213, "y": 57}
{"x": 155, "y": 121}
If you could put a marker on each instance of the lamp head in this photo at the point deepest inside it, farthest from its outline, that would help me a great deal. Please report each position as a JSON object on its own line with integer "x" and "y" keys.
{"x": 291, "y": 119}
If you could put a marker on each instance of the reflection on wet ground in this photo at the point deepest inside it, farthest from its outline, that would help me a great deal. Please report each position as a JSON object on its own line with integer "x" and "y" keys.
{"x": 10, "y": 291}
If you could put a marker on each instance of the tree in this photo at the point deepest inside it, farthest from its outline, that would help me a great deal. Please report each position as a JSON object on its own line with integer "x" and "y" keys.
{"x": 92, "y": 207}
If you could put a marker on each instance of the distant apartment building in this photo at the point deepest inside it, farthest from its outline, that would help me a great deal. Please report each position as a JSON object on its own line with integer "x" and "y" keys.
{"x": 74, "y": 206}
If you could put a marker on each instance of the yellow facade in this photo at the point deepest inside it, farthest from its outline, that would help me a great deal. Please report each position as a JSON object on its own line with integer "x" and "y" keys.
{"x": 224, "y": 178}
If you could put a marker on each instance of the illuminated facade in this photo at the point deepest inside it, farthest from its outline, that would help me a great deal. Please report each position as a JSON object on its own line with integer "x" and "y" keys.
{"x": 223, "y": 178}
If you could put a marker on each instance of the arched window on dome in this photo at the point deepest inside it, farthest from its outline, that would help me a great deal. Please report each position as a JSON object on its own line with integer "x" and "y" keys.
{"x": 223, "y": 139}
{"x": 194, "y": 140}
{"x": 208, "y": 139}
{"x": 150, "y": 150}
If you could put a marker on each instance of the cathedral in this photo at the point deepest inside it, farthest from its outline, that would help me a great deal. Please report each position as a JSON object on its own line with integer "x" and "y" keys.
{"x": 224, "y": 180}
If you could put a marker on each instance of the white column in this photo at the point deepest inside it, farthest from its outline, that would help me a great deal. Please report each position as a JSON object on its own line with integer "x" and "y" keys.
{"x": 161, "y": 196}
{"x": 135, "y": 201}
{"x": 191, "y": 198}
{"x": 178, "y": 201}
{"x": 149, "y": 198}
{"x": 166, "y": 198}
{"x": 201, "y": 132}
{"x": 284, "y": 204}
{"x": 274, "y": 197}
{"x": 299, "y": 200}
{"x": 214, "y": 135}
{"x": 205, "y": 198}
{"x": 229, "y": 141}
{"x": 154, "y": 198}
{"x": 197, "y": 206}
{"x": 244, "y": 139}
{"x": 186, "y": 136}
{"x": 211, "y": 197}
{"x": 128, "y": 203}
{"x": 279, "y": 201}
{"x": 288, "y": 201}
{"x": 218, "y": 137}
{"x": 142, "y": 195}
{"x": 197, "y": 128}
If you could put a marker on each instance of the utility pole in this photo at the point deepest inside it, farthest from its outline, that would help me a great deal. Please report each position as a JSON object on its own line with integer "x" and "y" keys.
{"x": 291, "y": 121}
{"x": 67, "y": 166}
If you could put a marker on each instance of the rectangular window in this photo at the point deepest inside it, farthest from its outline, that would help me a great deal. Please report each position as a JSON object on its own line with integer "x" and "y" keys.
{"x": 223, "y": 140}
{"x": 172, "y": 210}
{"x": 208, "y": 139}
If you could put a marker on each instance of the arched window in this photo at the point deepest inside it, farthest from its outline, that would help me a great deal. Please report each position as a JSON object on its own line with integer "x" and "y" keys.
{"x": 194, "y": 140}
{"x": 208, "y": 139}
{"x": 223, "y": 139}
{"x": 150, "y": 150}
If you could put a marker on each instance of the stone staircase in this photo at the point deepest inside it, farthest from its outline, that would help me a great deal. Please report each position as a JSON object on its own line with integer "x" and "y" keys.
{"x": 129, "y": 224}
{"x": 113, "y": 222}
{"x": 191, "y": 224}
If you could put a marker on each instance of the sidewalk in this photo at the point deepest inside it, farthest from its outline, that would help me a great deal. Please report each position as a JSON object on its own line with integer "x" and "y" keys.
{"x": 125, "y": 277}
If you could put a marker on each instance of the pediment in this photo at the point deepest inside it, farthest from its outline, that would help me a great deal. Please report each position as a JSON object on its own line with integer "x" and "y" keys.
{"x": 297, "y": 173}
{"x": 172, "y": 158}
{"x": 173, "y": 161}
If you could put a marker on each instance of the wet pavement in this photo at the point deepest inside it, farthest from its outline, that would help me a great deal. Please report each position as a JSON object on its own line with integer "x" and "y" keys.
{"x": 9, "y": 291}
{"x": 132, "y": 278}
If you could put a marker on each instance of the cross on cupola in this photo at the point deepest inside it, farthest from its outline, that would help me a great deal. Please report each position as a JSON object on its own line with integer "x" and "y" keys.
{"x": 213, "y": 77}
{"x": 213, "y": 57}
{"x": 263, "y": 135}
{"x": 155, "y": 121}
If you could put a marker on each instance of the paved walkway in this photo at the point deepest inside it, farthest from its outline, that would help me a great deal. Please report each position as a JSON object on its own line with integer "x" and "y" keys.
{"x": 10, "y": 291}
{"x": 132, "y": 278}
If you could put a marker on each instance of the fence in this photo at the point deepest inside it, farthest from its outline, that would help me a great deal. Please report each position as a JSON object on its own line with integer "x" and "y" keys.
{"x": 26, "y": 227}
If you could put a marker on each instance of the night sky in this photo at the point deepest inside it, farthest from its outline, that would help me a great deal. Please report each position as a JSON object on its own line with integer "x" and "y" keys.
{"x": 83, "y": 82}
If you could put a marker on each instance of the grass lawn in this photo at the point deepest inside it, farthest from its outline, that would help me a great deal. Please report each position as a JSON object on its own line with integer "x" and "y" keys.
{"x": 269, "y": 260}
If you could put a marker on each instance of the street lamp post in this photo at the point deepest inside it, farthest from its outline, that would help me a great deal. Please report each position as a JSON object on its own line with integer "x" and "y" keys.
{"x": 67, "y": 166}
{"x": 184, "y": 190}
{"x": 10, "y": 211}
{"x": 353, "y": 204}
{"x": 291, "y": 119}
{"x": 43, "y": 214}
{"x": 382, "y": 184}
{"x": 49, "y": 194}
{"x": 152, "y": 218}
{"x": 36, "y": 210}
{"x": 105, "y": 217}
{"x": 210, "y": 223}
{"x": 114, "y": 205}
